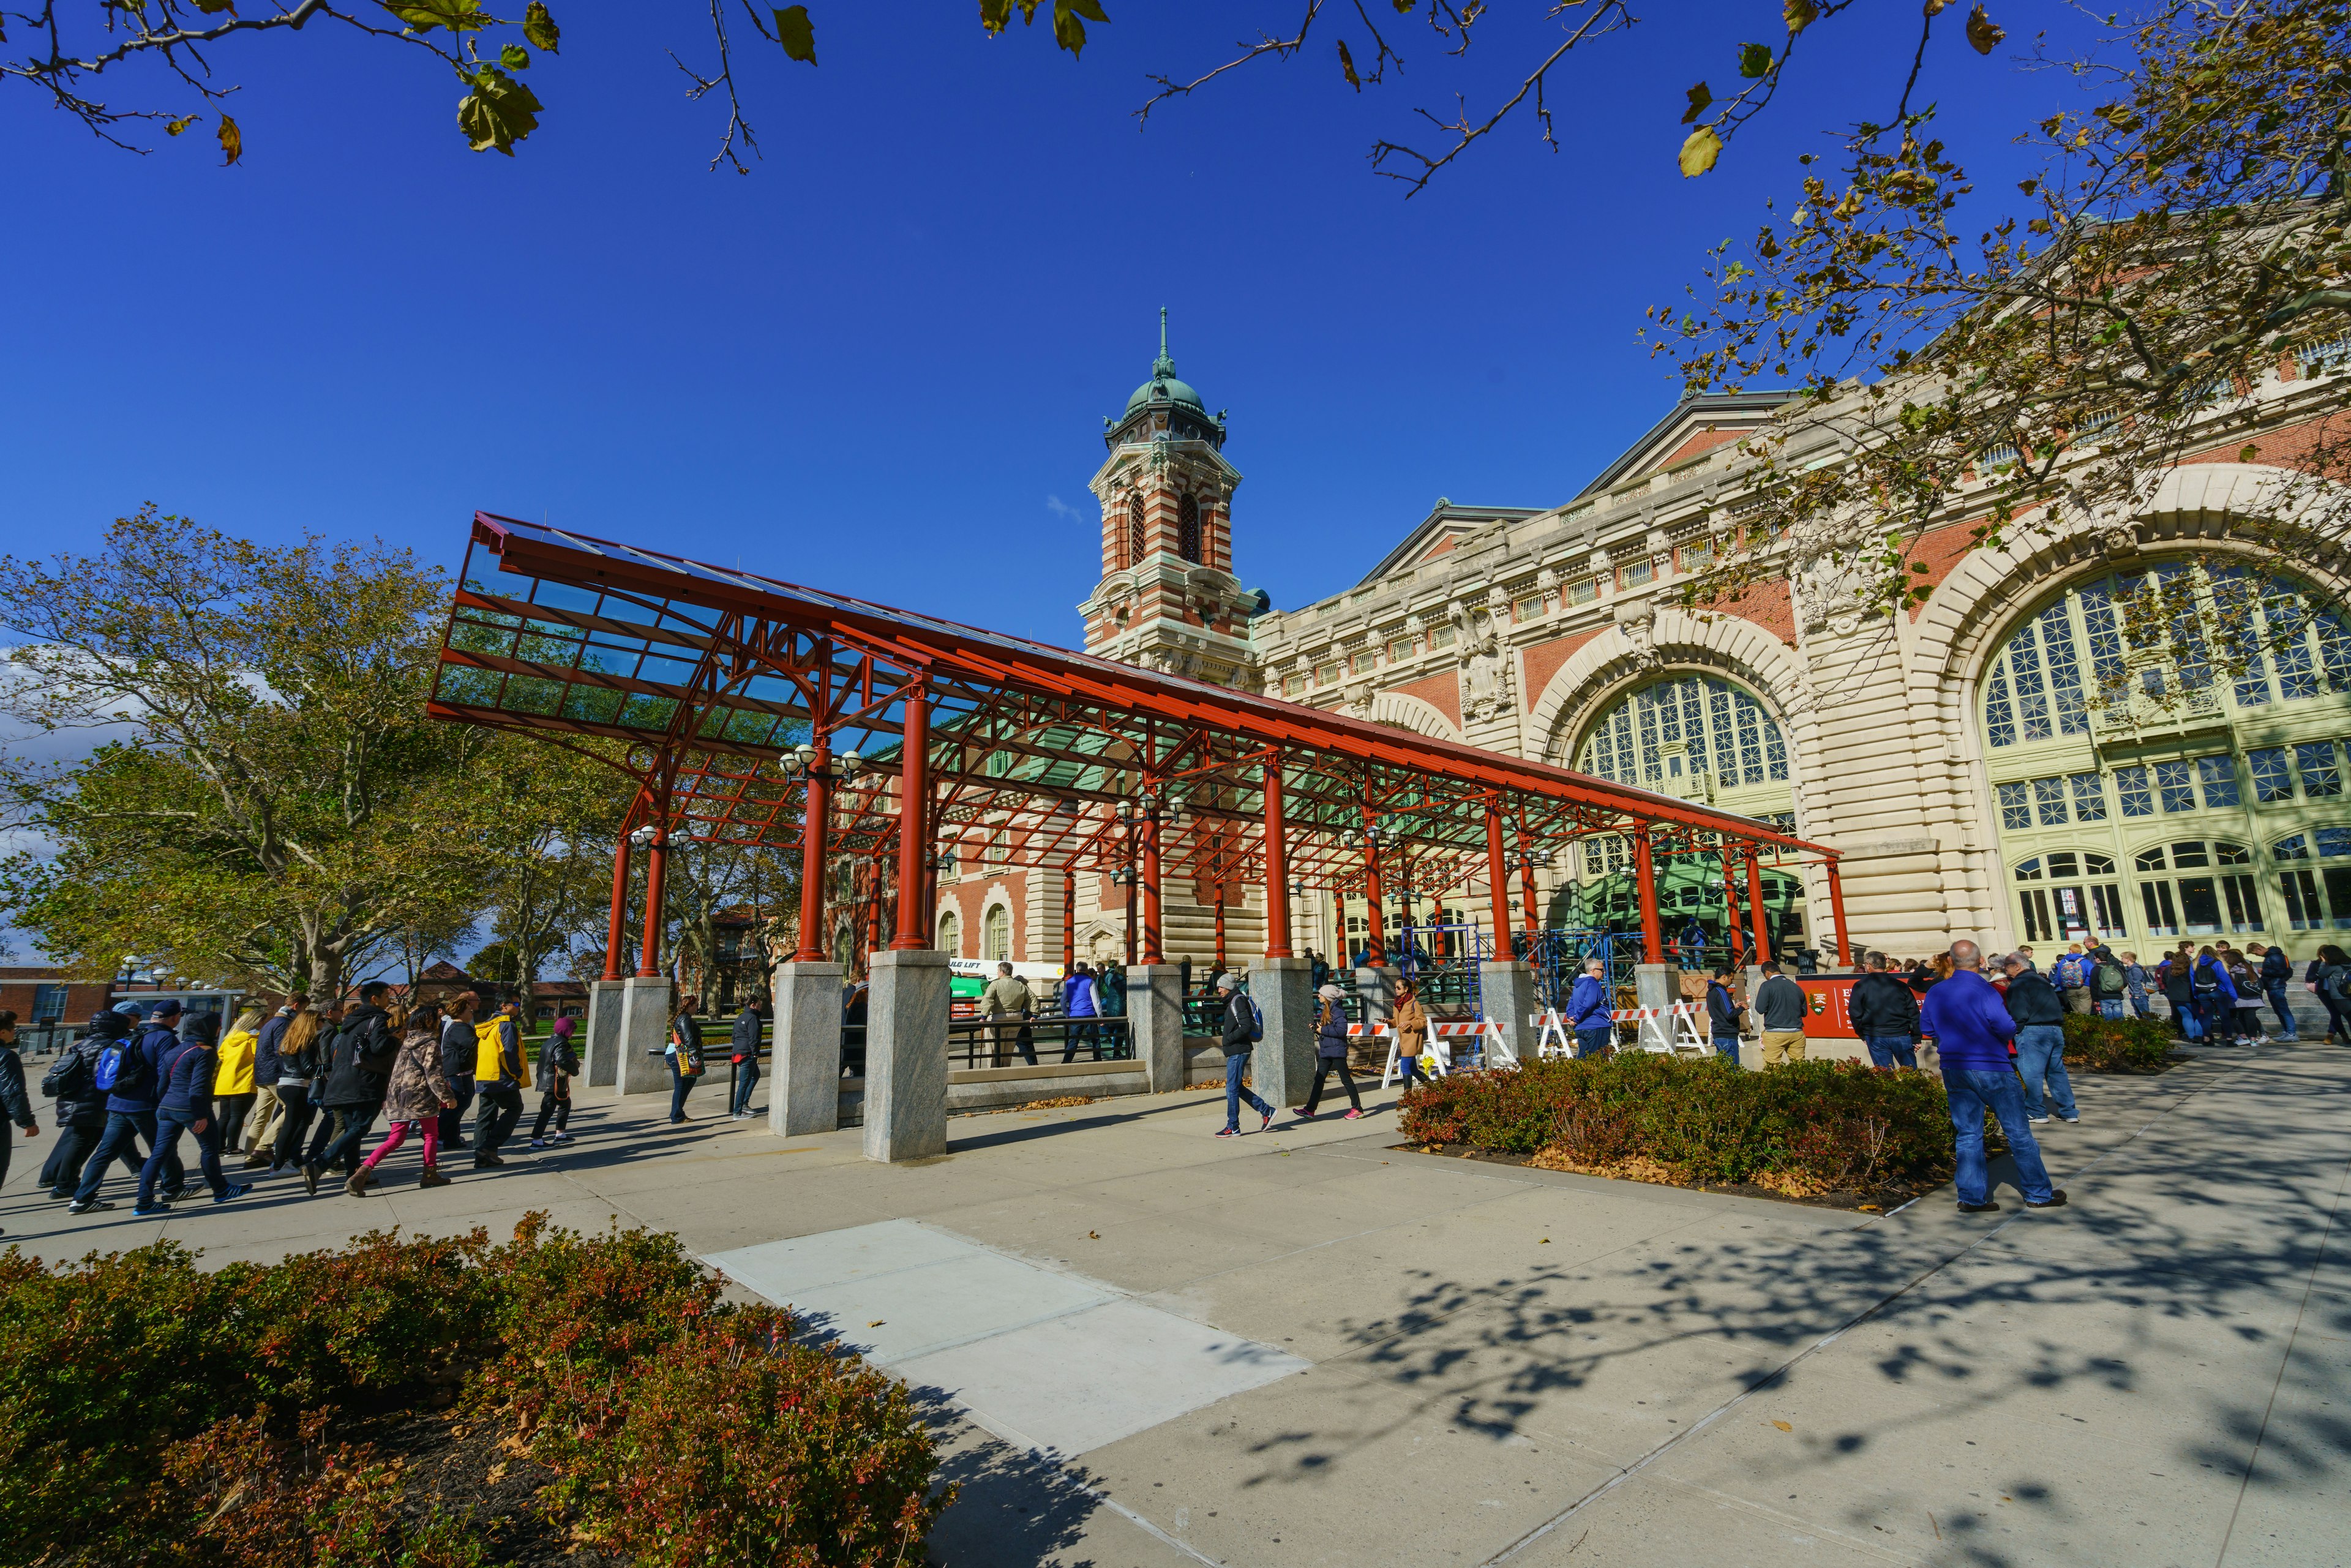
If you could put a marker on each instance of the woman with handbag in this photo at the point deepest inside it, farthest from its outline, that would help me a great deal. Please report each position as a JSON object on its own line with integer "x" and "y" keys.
{"x": 685, "y": 1053}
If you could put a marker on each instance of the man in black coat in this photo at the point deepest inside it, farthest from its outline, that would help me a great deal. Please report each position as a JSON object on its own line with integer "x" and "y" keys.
{"x": 1885, "y": 1014}
{"x": 743, "y": 1049}
{"x": 359, "y": 1071}
{"x": 72, "y": 1082}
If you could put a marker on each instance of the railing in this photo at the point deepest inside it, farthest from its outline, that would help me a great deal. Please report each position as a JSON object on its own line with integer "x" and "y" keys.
{"x": 996, "y": 1042}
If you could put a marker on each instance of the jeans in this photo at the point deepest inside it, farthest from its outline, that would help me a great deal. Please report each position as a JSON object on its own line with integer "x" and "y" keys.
{"x": 747, "y": 1076}
{"x": 2041, "y": 1054}
{"x": 1891, "y": 1050}
{"x": 1727, "y": 1045}
{"x": 2275, "y": 991}
{"x": 1974, "y": 1091}
{"x": 1077, "y": 1032}
{"x": 169, "y": 1125}
{"x": 1236, "y": 1069}
{"x": 71, "y": 1155}
{"x": 2110, "y": 1007}
{"x": 453, "y": 1117}
{"x": 123, "y": 1129}
{"x": 351, "y": 1123}
{"x": 2218, "y": 1017}
{"x": 2139, "y": 1004}
{"x": 1322, "y": 1068}
{"x": 555, "y": 1101}
{"x": 680, "y": 1086}
{"x": 1590, "y": 1042}
{"x": 494, "y": 1123}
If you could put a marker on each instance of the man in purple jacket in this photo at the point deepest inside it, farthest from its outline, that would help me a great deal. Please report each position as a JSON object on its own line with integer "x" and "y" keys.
{"x": 1971, "y": 1029}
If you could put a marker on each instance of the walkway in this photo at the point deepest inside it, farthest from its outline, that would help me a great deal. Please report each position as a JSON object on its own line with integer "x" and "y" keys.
{"x": 1403, "y": 1359}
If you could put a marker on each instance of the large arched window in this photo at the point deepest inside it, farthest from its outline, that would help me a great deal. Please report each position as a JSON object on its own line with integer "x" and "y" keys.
{"x": 950, "y": 934}
{"x": 996, "y": 932}
{"x": 2148, "y": 732}
{"x": 1691, "y": 735}
{"x": 1187, "y": 529}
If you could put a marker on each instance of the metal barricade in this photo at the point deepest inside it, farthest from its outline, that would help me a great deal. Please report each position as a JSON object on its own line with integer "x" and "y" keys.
{"x": 998, "y": 1042}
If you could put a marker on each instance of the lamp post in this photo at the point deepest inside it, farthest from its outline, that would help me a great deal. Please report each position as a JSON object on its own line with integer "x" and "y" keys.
{"x": 812, "y": 762}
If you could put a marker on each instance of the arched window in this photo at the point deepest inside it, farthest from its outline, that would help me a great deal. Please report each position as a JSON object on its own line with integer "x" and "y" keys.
{"x": 1187, "y": 529}
{"x": 996, "y": 932}
{"x": 950, "y": 934}
{"x": 1134, "y": 551}
{"x": 1677, "y": 735}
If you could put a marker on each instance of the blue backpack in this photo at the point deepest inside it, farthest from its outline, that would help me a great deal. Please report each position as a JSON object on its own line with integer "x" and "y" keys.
{"x": 1257, "y": 1019}
{"x": 121, "y": 1069}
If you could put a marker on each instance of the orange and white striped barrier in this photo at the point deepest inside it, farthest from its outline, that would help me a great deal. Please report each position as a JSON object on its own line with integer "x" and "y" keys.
{"x": 1437, "y": 1054}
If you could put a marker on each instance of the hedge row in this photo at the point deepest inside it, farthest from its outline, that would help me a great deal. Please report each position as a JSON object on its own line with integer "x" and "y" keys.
{"x": 1802, "y": 1129}
{"x": 2094, "y": 1044}
{"x": 153, "y": 1413}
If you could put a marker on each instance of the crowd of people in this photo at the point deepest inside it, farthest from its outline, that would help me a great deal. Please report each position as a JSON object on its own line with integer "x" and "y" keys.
{"x": 296, "y": 1091}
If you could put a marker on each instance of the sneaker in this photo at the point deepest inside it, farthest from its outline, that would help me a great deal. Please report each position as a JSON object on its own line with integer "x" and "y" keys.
{"x": 1353, "y": 1115}
{"x": 310, "y": 1175}
{"x": 234, "y": 1192}
{"x": 562, "y": 1138}
{"x": 172, "y": 1194}
{"x": 1267, "y": 1124}
{"x": 151, "y": 1210}
{"x": 2036, "y": 1121}
{"x": 2054, "y": 1200}
{"x": 1303, "y": 1115}
{"x": 2073, "y": 1119}
{"x": 1230, "y": 1132}
{"x": 1985, "y": 1207}
{"x": 538, "y": 1143}
{"x": 89, "y": 1205}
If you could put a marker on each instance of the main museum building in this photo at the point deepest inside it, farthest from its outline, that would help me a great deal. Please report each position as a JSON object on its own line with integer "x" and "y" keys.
{"x": 1955, "y": 755}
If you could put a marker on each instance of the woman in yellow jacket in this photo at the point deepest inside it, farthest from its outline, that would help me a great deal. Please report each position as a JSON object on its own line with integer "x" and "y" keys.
{"x": 233, "y": 1079}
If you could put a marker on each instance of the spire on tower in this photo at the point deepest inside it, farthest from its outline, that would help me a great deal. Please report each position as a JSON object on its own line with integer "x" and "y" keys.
{"x": 1163, "y": 366}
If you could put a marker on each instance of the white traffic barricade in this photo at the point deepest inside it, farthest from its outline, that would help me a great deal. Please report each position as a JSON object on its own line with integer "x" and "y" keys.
{"x": 1437, "y": 1046}
{"x": 1664, "y": 1031}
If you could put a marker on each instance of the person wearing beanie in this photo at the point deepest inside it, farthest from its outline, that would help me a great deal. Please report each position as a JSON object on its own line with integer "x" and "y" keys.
{"x": 558, "y": 1061}
{"x": 1242, "y": 1025}
{"x": 1331, "y": 1052}
{"x": 131, "y": 1075}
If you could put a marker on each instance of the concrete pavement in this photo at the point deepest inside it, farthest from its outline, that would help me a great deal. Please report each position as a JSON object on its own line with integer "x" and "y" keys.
{"x": 1459, "y": 1363}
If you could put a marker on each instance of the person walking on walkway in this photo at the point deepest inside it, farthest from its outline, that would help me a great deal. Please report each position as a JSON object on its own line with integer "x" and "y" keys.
{"x": 261, "y": 1131}
{"x": 72, "y": 1082}
{"x": 358, "y": 1075}
{"x": 1885, "y": 1015}
{"x": 15, "y": 1104}
{"x": 743, "y": 1051}
{"x": 1587, "y": 1011}
{"x": 417, "y": 1094}
{"x": 185, "y": 1105}
{"x": 457, "y": 1057}
{"x": 685, "y": 1053}
{"x": 1971, "y": 1029}
{"x": 232, "y": 1080}
{"x": 1778, "y": 1007}
{"x": 2276, "y": 973}
{"x": 1331, "y": 1052}
{"x": 559, "y": 1064}
{"x": 1410, "y": 1021}
{"x": 1722, "y": 1013}
{"x": 1006, "y": 1002}
{"x": 1080, "y": 1000}
{"x": 1240, "y": 1030}
{"x": 500, "y": 1075}
{"x": 2329, "y": 979}
{"x": 131, "y": 1073}
{"x": 2039, "y": 1014}
{"x": 301, "y": 1062}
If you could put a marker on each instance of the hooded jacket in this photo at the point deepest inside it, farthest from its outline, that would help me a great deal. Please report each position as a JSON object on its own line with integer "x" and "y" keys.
{"x": 265, "y": 1066}
{"x": 418, "y": 1088}
{"x": 1329, "y": 1027}
{"x": 14, "y": 1102}
{"x": 1587, "y": 1005}
{"x": 359, "y": 1063}
{"x": 189, "y": 1068}
{"x": 72, "y": 1078}
{"x": 148, "y": 1046}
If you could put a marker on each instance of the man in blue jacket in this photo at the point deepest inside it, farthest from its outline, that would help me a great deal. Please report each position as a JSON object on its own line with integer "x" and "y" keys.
{"x": 1587, "y": 1011}
{"x": 1971, "y": 1029}
{"x": 185, "y": 1104}
{"x": 130, "y": 1107}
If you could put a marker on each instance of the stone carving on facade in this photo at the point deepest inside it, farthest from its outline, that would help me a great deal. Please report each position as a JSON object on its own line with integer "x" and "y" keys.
{"x": 1547, "y": 579}
{"x": 1656, "y": 542}
{"x": 1358, "y": 700}
{"x": 1637, "y": 625}
{"x": 1826, "y": 590}
{"x": 2119, "y": 538}
{"x": 1483, "y": 656}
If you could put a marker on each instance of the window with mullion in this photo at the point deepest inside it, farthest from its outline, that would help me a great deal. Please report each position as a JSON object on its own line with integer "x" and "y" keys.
{"x": 2321, "y": 778}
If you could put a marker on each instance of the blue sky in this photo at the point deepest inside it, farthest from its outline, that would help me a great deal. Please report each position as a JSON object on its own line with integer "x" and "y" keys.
{"x": 881, "y": 361}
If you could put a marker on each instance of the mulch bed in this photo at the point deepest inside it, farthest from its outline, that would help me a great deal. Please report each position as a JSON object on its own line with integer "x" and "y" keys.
{"x": 453, "y": 1465}
{"x": 1851, "y": 1202}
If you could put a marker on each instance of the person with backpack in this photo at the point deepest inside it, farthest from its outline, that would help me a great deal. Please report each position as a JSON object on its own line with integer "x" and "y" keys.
{"x": 1693, "y": 944}
{"x": 2246, "y": 983}
{"x": 233, "y": 1086}
{"x": 2106, "y": 982}
{"x": 1109, "y": 1001}
{"x": 1410, "y": 1021}
{"x": 1330, "y": 1052}
{"x": 1080, "y": 1000}
{"x": 1587, "y": 1011}
{"x": 1722, "y": 1013}
{"x": 1242, "y": 1028}
{"x": 2214, "y": 997}
{"x": 685, "y": 1053}
{"x": 14, "y": 1102}
{"x": 130, "y": 1072}
{"x": 2329, "y": 977}
{"x": 2276, "y": 973}
{"x": 559, "y": 1064}
{"x": 188, "y": 1073}
{"x": 457, "y": 1065}
{"x": 1885, "y": 1015}
{"x": 301, "y": 1062}
{"x": 2070, "y": 977}
{"x": 744, "y": 1044}
{"x": 72, "y": 1082}
{"x": 500, "y": 1075}
{"x": 417, "y": 1094}
{"x": 358, "y": 1076}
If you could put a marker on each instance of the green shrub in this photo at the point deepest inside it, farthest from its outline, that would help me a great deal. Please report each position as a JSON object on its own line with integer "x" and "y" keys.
{"x": 1805, "y": 1128}
{"x": 2096, "y": 1044}
{"x": 140, "y": 1397}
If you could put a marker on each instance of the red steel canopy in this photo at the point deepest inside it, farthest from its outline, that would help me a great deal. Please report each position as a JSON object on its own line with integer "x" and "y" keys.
{"x": 748, "y": 706}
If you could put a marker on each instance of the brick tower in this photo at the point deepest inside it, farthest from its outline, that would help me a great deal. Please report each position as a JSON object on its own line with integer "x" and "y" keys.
{"x": 1167, "y": 599}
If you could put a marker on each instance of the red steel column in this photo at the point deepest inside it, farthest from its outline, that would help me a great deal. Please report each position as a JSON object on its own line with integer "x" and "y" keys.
{"x": 1151, "y": 954}
{"x": 1277, "y": 868}
{"x": 812, "y": 860}
{"x": 914, "y": 817}
{"x": 1759, "y": 935}
{"x": 1527, "y": 896}
{"x": 617, "y": 927}
{"x": 1836, "y": 913}
{"x": 874, "y": 916}
{"x": 1377, "y": 895}
{"x": 1497, "y": 881}
{"x": 1220, "y": 926}
{"x": 656, "y": 859}
{"x": 1729, "y": 909}
{"x": 1653, "y": 937}
{"x": 1069, "y": 920}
